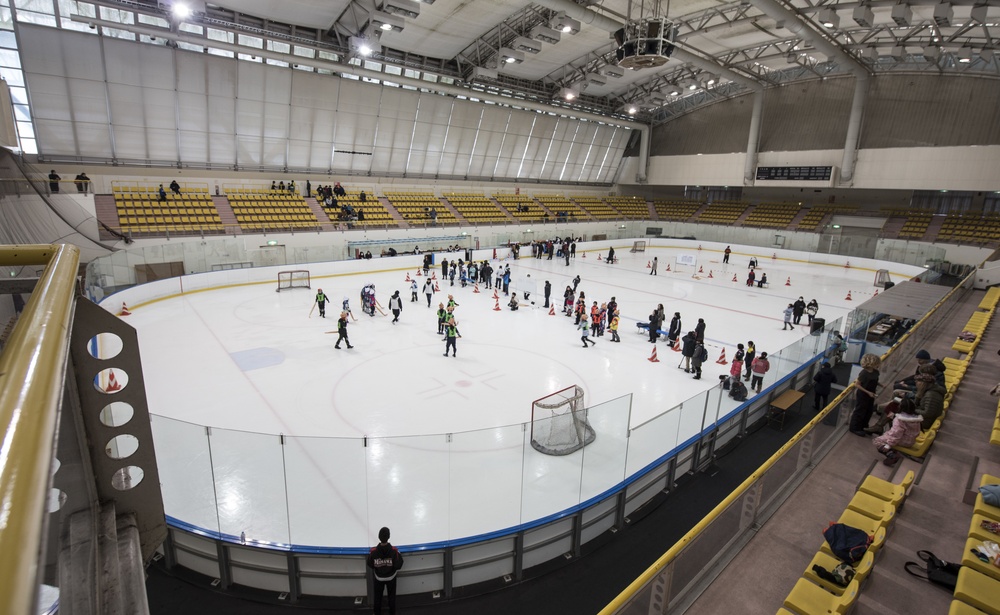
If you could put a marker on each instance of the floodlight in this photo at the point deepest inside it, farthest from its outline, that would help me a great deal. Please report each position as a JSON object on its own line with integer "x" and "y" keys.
{"x": 565, "y": 24}
{"x": 673, "y": 90}
{"x": 864, "y": 16}
{"x": 527, "y": 45}
{"x": 403, "y": 8}
{"x": 612, "y": 71}
{"x": 569, "y": 93}
{"x": 828, "y": 18}
{"x": 943, "y": 15}
{"x": 545, "y": 34}
{"x": 902, "y": 14}
{"x": 387, "y": 22}
{"x": 181, "y": 10}
{"x": 511, "y": 56}
{"x": 964, "y": 55}
{"x": 364, "y": 46}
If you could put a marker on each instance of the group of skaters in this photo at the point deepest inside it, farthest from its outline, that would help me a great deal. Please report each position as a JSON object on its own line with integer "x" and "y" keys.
{"x": 794, "y": 312}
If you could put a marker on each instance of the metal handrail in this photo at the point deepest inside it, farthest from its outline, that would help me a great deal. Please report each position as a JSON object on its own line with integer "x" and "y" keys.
{"x": 678, "y": 547}
{"x": 32, "y": 371}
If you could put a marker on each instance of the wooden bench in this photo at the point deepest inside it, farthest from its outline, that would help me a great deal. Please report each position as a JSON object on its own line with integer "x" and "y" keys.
{"x": 780, "y": 406}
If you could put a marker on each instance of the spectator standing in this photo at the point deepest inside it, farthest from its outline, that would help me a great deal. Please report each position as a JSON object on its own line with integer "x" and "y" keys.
{"x": 725, "y": 254}
{"x": 699, "y": 331}
{"x": 688, "y": 343}
{"x": 866, "y": 387}
{"x": 789, "y": 311}
{"x": 748, "y": 359}
{"x": 384, "y": 561}
{"x": 759, "y": 367}
{"x": 675, "y": 328}
{"x": 54, "y": 181}
{"x": 700, "y": 356}
{"x": 798, "y": 309}
{"x": 548, "y": 292}
{"x": 82, "y": 183}
{"x": 824, "y": 378}
{"x": 652, "y": 271}
{"x": 811, "y": 309}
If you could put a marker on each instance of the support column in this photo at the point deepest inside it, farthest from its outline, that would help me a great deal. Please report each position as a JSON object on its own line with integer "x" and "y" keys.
{"x": 753, "y": 141}
{"x": 854, "y": 129}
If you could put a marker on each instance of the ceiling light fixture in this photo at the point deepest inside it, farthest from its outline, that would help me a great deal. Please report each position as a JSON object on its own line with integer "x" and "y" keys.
{"x": 902, "y": 15}
{"x": 545, "y": 34}
{"x": 527, "y": 45}
{"x": 511, "y": 56}
{"x": 864, "y": 16}
{"x": 943, "y": 15}
{"x": 565, "y": 24}
{"x": 387, "y": 22}
{"x": 829, "y": 18}
{"x": 965, "y": 55}
{"x": 569, "y": 94}
{"x": 403, "y": 8}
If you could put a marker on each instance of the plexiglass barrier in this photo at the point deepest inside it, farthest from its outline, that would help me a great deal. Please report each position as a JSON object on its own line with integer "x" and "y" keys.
{"x": 331, "y": 494}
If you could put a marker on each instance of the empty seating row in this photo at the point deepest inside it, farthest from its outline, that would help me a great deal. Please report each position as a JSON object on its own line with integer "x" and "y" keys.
{"x": 596, "y": 207}
{"x": 975, "y": 327}
{"x": 979, "y": 582}
{"x": 872, "y": 510}
{"x": 561, "y": 207}
{"x": 722, "y": 212}
{"x": 772, "y": 215}
{"x": 676, "y": 210}
{"x": 632, "y": 207}
{"x": 970, "y": 228}
{"x": 475, "y": 207}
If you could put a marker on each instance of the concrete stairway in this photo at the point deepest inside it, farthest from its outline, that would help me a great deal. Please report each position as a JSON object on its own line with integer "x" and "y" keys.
{"x": 324, "y": 220}
{"x": 226, "y": 215}
{"x": 107, "y": 212}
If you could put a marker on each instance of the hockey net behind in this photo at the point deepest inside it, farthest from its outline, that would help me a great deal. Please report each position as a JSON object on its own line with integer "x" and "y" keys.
{"x": 559, "y": 423}
{"x": 298, "y": 278}
{"x": 638, "y": 246}
{"x": 881, "y": 277}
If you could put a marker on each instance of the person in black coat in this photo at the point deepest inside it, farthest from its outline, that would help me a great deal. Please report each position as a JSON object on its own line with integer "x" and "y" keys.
{"x": 798, "y": 309}
{"x": 675, "y": 328}
{"x": 821, "y": 390}
{"x": 384, "y": 561}
{"x": 699, "y": 330}
{"x": 654, "y": 326}
{"x": 688, "y": 343}
{"x": 444, "y": 269}
{"x": 548, "y": 291}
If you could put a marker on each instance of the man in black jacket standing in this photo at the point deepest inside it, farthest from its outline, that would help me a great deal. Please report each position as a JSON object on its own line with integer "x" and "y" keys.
{"x": 384, "y": 560}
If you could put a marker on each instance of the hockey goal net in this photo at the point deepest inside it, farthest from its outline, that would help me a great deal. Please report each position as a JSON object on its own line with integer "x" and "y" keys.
{"x": 559, "y": 423}
{"x": 292, "y": 279}
{"x": 881, "y": 277}
{"x": 638, "y": 246}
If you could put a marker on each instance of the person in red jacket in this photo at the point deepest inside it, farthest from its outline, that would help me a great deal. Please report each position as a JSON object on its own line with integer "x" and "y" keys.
{"x": 385, "y": 561}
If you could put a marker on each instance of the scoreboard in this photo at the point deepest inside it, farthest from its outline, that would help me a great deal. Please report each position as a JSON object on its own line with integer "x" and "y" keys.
{"x": 822, "y": 174}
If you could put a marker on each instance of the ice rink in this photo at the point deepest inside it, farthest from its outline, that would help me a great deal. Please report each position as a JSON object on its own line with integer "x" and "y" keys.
{"x": 310, "y": 445}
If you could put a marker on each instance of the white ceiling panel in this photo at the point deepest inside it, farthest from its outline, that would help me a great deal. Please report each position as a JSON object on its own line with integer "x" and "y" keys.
{"x": 445, "y": 28}
{"x": 311, "y": 13}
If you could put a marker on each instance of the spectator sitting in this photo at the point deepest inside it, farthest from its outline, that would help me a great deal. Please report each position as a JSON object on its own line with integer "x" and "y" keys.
{"x": 273, "y": 186}
{"x": 361, "y": 215}
{"x": 339, "y": 190}
{"x": 175, "y": 187}
{"x": 162, "y": 194}
{"x": 363, "y": 197}
{"x": 368, "y": 255}
{"x": 281, "y": 186}
{"x": 762, "y": 281}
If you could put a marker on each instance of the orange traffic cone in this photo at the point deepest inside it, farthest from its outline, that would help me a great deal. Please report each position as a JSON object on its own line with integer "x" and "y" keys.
{"x": 876, "y": 293}
{"x": 788, "y": 282}
{"x": 848, "y": 297}
{"x": 495, "y": 295}
{"x": 848, "y": 265}
{"x": 652, "y": 358}
{"x": 677, "y": 346}
{"x": 584, "y": 255}
{"x": 598, "y": 258}
{"x": 701, "y": 270}
{"x": 734, "y": 278}
{"x": 552, "y": 311}
{"x": 419, "y": 274}
{"x": 667, "y": 269}
{"x": 434, "y": 275}
{"x": 124, "y": 311}
{"x": 408, "y": 277}
{"x": 649, "y": 265}
{"x": 710, "y": 274}
{"x": 722, "y": 358}
{"x": 437, "y": 288}
{"x": 774, "y": 256}
{"x": 699, "y": 247}
{"x": 112, "y": 384}
{"x": 496, "y": 308}
{"x": 476, "y": 289}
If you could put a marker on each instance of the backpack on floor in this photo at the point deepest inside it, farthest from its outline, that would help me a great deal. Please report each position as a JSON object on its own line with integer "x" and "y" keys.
{"x": 847, "y": 543}
{"x": 738, "y": 390}
{"x": 935, "y": 570}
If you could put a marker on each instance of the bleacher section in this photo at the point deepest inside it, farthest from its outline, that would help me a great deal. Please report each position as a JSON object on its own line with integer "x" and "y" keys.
{"x": 515, "y": 205}
{"x": 723, "y": 212}
{"x": 772, "y": 215}
{"x": 676, "y": 210}
{"x": 415, "y": 208}
{"x": 140, "y": 212}
{"x": 596, "y": 207}
{"x": 258, "y": 209}
{"x": 376, "y": 215}
{"x": 631, "y": 207}
{"x": 559, "y": 204}
{"x": 916, "y": 223}
{"x": 873, "y": 510}
{"x": 970, "y": 228}
{"x": 475, "y": 207}
{"x": 978, "y": 581}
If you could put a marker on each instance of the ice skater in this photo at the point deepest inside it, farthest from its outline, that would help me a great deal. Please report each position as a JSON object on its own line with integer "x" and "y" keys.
{"x": 428, "y": 290}
{"x": 342, "y": 331}
{"x": 442, "y": 316}
{"x": 548, "y": 292}
{"x": 321, "y": 300}
{"x": 653, "y": 270}
{"x": 450, "y": 335}
{"x": 396, "y": 305}
{"x": 675, "y": 329}
{"x": 585, "y": 334}
{"x": 788, "y": 318}
{"x": 576, "y": 282}
{"x": 613, "y": 327}
{"x": 725, "y": 255}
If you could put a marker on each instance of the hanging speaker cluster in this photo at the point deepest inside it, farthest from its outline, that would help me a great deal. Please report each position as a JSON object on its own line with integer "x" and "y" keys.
{"x": 645, "y": 43}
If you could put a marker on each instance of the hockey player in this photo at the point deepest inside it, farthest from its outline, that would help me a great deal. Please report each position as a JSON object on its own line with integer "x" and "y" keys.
{"x": 396, "y": 305}
{"x": 321, "y": 300}
{"x": 342, "y": 331}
